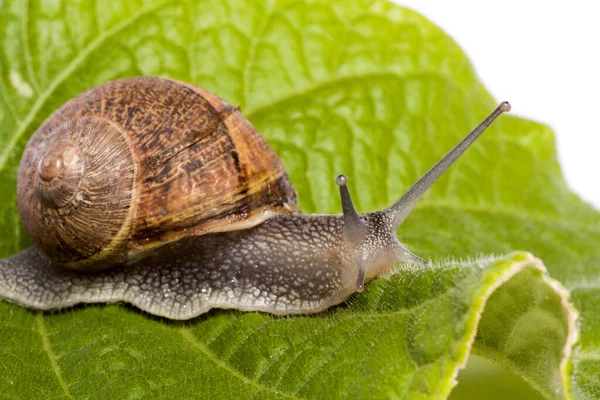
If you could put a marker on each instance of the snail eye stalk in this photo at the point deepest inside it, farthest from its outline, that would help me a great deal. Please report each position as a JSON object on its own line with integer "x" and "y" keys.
{"x": 401, "y": 208}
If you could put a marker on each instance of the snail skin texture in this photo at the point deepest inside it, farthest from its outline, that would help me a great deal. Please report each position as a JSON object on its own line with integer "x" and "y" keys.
{"x": 156, "y": 193}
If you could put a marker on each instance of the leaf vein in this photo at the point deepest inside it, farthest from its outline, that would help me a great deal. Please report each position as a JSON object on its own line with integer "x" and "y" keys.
{"x": 192, "y": 340}
{"x": 76, "y": 62}
{"x": 9, "y": 105}
{"x": 366, "y": 355}
{"x": 505, "y": 211}
{"x": 317, "y": 332}
{"x": 330, "y": 82}
{"x": 51, "y": 356}
{"x": 234, "y": 347}
{"x": 254, "y": 41}
{"x": 26, "y": 47}
{"x": 331, "y": 352}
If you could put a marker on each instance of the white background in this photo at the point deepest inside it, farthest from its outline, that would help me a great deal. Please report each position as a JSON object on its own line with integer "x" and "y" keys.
{"x": 542, "y": 56}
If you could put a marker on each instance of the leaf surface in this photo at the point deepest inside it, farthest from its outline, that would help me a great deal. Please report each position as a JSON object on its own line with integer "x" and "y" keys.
{"x": 365, "y": 88}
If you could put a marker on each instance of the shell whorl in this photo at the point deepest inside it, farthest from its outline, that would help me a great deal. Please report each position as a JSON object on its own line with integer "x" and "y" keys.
{"x": 79, "y": 184}
{"x": 59, "y": 174}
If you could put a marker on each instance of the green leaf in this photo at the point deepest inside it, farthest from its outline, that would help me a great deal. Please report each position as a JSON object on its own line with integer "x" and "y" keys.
{"x": 365, "y": 88}
{"x": 405, "y": 337}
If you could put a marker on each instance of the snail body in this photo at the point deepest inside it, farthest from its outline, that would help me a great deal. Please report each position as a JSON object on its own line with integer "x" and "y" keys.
{"x": 192, "y": 275}
{"x": 156, "y": 193}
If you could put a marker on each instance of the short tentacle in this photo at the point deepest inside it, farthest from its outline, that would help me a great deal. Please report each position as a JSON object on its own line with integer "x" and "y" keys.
{"x": 354, "y": 229}
{"x": 362, "y": 274}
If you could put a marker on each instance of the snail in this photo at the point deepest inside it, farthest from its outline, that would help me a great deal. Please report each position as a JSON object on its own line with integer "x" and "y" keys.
{"x": 154, "y": 192}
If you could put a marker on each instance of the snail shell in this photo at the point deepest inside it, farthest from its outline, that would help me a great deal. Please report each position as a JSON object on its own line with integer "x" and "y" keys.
{"x": 136, "y": 163}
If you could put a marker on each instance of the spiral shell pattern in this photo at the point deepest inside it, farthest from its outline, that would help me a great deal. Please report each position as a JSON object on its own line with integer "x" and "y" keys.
{"x": 137, "y": 163}
{"x": 81, "y": 191}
